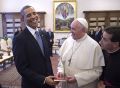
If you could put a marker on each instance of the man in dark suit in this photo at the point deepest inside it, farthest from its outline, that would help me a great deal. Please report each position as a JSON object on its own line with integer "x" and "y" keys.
{"x": 32, "y": 64}
{"x": 98, "y": 34}
{"x": 50, "y": 35}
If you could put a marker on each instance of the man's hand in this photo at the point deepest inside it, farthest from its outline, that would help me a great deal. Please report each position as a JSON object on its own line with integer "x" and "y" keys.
{"x": 71, "y": 79}
{"x": 100, "y": 84}
{"x": 50, "y": 80}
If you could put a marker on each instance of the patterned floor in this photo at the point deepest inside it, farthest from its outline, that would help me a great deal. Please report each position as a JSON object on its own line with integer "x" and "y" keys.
{"x": 9, "y": 78}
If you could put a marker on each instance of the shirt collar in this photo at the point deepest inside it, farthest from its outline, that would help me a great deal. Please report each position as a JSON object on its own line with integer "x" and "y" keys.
{"x": 32, "y": 31}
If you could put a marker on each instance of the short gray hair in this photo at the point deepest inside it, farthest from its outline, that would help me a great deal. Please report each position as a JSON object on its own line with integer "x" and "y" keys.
{"x": 22, "y": 10}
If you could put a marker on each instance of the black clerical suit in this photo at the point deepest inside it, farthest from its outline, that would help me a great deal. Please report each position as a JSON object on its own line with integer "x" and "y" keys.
{"x": 111, "y": 72}
{"x": 32, "y": 65}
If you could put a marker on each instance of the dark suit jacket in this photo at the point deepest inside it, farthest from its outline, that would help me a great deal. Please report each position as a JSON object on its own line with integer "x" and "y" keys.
{"x": 32, "y": 65}
{"x": 98, "y": 36}
{"x": 51, "y": 37}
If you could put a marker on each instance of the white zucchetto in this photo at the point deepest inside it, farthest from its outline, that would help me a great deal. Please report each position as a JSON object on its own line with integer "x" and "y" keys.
{"x": 83, "y": 22}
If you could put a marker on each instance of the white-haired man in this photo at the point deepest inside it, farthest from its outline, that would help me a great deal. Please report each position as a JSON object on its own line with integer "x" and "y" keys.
{"x": 81, "y": 58}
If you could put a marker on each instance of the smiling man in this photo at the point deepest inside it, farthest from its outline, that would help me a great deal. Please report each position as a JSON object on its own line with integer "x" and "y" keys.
{"x": 31, "y": 53}
{"x": 81, "y": 58}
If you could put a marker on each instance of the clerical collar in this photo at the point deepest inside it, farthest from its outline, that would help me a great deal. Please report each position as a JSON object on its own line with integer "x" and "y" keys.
{"x": 113, "y": 51}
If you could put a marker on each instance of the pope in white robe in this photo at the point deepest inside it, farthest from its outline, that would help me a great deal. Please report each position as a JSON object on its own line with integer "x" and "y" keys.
{"x": 82, "y": 59}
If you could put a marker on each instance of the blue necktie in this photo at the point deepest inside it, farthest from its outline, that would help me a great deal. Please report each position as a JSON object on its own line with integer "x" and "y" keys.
{"x": 39, "y": 40}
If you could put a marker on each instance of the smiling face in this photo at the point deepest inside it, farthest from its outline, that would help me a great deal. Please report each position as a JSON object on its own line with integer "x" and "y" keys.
{"x": 77, "y": 30}
{"x": 31, "y": 17}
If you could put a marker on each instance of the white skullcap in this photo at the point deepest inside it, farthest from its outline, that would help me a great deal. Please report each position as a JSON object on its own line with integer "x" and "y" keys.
{"x": 83, "y": 22}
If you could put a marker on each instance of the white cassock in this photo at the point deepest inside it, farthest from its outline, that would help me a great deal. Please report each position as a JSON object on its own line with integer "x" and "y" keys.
{"x": 83, "y": 59}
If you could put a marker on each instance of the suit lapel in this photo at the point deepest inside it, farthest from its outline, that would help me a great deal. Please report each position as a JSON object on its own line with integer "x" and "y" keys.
{"x": 32, "y": 40}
